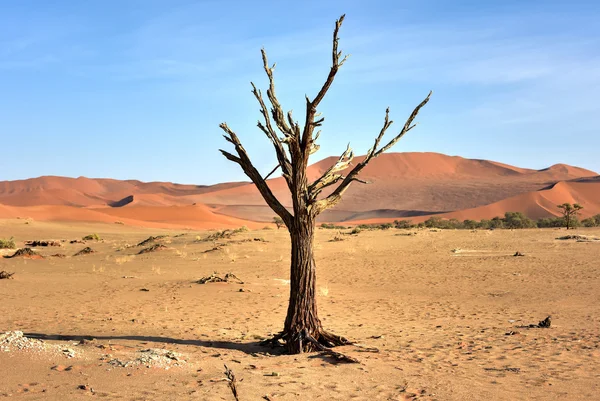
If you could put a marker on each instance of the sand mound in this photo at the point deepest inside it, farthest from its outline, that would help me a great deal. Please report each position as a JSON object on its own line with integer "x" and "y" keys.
{"x": 85, "y": 251}
{"x": 27, "y": 253}
{"x": 153, "y": 248}
{"x": 151, "y": 239}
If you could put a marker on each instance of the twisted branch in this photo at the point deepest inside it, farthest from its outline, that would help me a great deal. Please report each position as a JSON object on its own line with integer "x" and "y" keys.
{"x": 330, "y": 177}
{"x": 374, "y": 152}
{"x": 244, "y": 161}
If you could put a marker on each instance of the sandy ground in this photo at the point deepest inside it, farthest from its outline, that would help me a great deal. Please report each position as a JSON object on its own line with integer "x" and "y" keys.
{"x": 440, "y": 319}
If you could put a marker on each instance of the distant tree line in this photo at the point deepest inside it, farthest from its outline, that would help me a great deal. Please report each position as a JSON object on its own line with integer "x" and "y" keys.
{"x": 511, "y": 220}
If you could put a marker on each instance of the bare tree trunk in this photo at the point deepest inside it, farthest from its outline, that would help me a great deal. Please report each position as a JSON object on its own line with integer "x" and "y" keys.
{"x": 303, "y": 331}
{"x": 302, "y": 317}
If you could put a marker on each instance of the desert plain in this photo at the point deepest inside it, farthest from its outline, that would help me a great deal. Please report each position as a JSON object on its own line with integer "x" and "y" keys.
{"x": 435, "y": 315}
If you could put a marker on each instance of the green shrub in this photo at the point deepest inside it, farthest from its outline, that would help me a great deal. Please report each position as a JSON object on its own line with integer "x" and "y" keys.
{"x": 517, "y": 220}
{"x": 551, "y": 222}
{"x": 496, "y": 222}
{"x": 471, "y": 224}
{"x": 593, "y": 221}
{"x": 402, "y": 224}
{"x": 433, "y": 222}
{"x": 332, "y": 226}
{"x": 384, "y": 226}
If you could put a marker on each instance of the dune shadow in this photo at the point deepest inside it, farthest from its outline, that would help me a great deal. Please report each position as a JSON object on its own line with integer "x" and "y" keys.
{"x": 248, "y": 348}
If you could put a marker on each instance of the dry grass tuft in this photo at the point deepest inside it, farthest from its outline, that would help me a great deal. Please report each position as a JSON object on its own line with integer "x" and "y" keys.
{"x": 7, "y": 243}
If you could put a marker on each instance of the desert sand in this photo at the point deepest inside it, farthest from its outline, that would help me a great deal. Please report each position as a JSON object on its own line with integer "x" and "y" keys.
{"x": 448, "y": 312}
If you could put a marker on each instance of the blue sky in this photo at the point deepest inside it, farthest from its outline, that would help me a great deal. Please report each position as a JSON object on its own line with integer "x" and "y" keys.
{"x": 137, "y": 88}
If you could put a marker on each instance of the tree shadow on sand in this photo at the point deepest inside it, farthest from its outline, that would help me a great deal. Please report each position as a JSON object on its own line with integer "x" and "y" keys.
{"x": 248, "y": 348}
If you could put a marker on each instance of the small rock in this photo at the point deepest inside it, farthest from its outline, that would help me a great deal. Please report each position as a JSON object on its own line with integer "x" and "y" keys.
{"x": 69, "y": 353}
{"x": 85, "y": 387}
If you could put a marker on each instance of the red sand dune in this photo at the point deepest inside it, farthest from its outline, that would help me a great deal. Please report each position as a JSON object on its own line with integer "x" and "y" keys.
{"x": 403, "y": 185}
{"x": 540, "y": 204}
{"x": 536, "y": 204}
{"x": 87, "y": 192}
{"x": 406, "y": 184}
{"x": 189, "y": 217}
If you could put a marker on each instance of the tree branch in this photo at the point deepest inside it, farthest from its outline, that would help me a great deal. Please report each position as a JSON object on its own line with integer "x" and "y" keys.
{"x": 244, "y": 161}
{"x": 271, "y": 173}
{"x": 374, "y": 152}
{"x": 291, "y": 130}
{"x": 282, "y": 157}
{"x": 330, "y": 177}
{"x": 311, "y": 106}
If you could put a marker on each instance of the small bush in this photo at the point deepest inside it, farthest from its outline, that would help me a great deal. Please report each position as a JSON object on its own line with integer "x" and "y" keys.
{"x": 403, "y": 224}
{"x": 593, "y": 221}
{"x": 470, "y": 224}
{"x": 7, "y": 243}
{"x": 225, "y": 234}
{"x": 518, "y": 220}
{"x": 551, "y": 222}
{"x": 92, "y": 237}
{"x": 384, "y": 226}
{"x": 332, "y": 226}
{"x": 496, "y": 222}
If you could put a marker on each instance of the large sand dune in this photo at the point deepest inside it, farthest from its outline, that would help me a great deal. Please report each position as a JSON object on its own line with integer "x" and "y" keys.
{"x": 402, "y": 185}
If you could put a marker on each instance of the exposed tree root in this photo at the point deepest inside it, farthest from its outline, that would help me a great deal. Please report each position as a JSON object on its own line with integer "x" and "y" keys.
{"x": 273, "y": 342}
{"x": 323, "y": 343}
{"x": 326, "y": 350}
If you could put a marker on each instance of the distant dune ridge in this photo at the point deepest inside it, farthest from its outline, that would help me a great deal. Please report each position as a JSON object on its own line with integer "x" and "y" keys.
{"x": 402, "y": 186}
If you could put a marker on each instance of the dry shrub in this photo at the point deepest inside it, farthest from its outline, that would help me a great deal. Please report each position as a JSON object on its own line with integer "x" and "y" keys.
{"x": 7, "y": 243}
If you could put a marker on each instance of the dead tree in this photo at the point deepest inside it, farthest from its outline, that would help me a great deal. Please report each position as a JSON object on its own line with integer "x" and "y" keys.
{"x": 302, "y": 328}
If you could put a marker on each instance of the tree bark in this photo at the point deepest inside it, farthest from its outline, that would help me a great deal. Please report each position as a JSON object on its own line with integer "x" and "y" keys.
{"x": 302, "y": 314}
